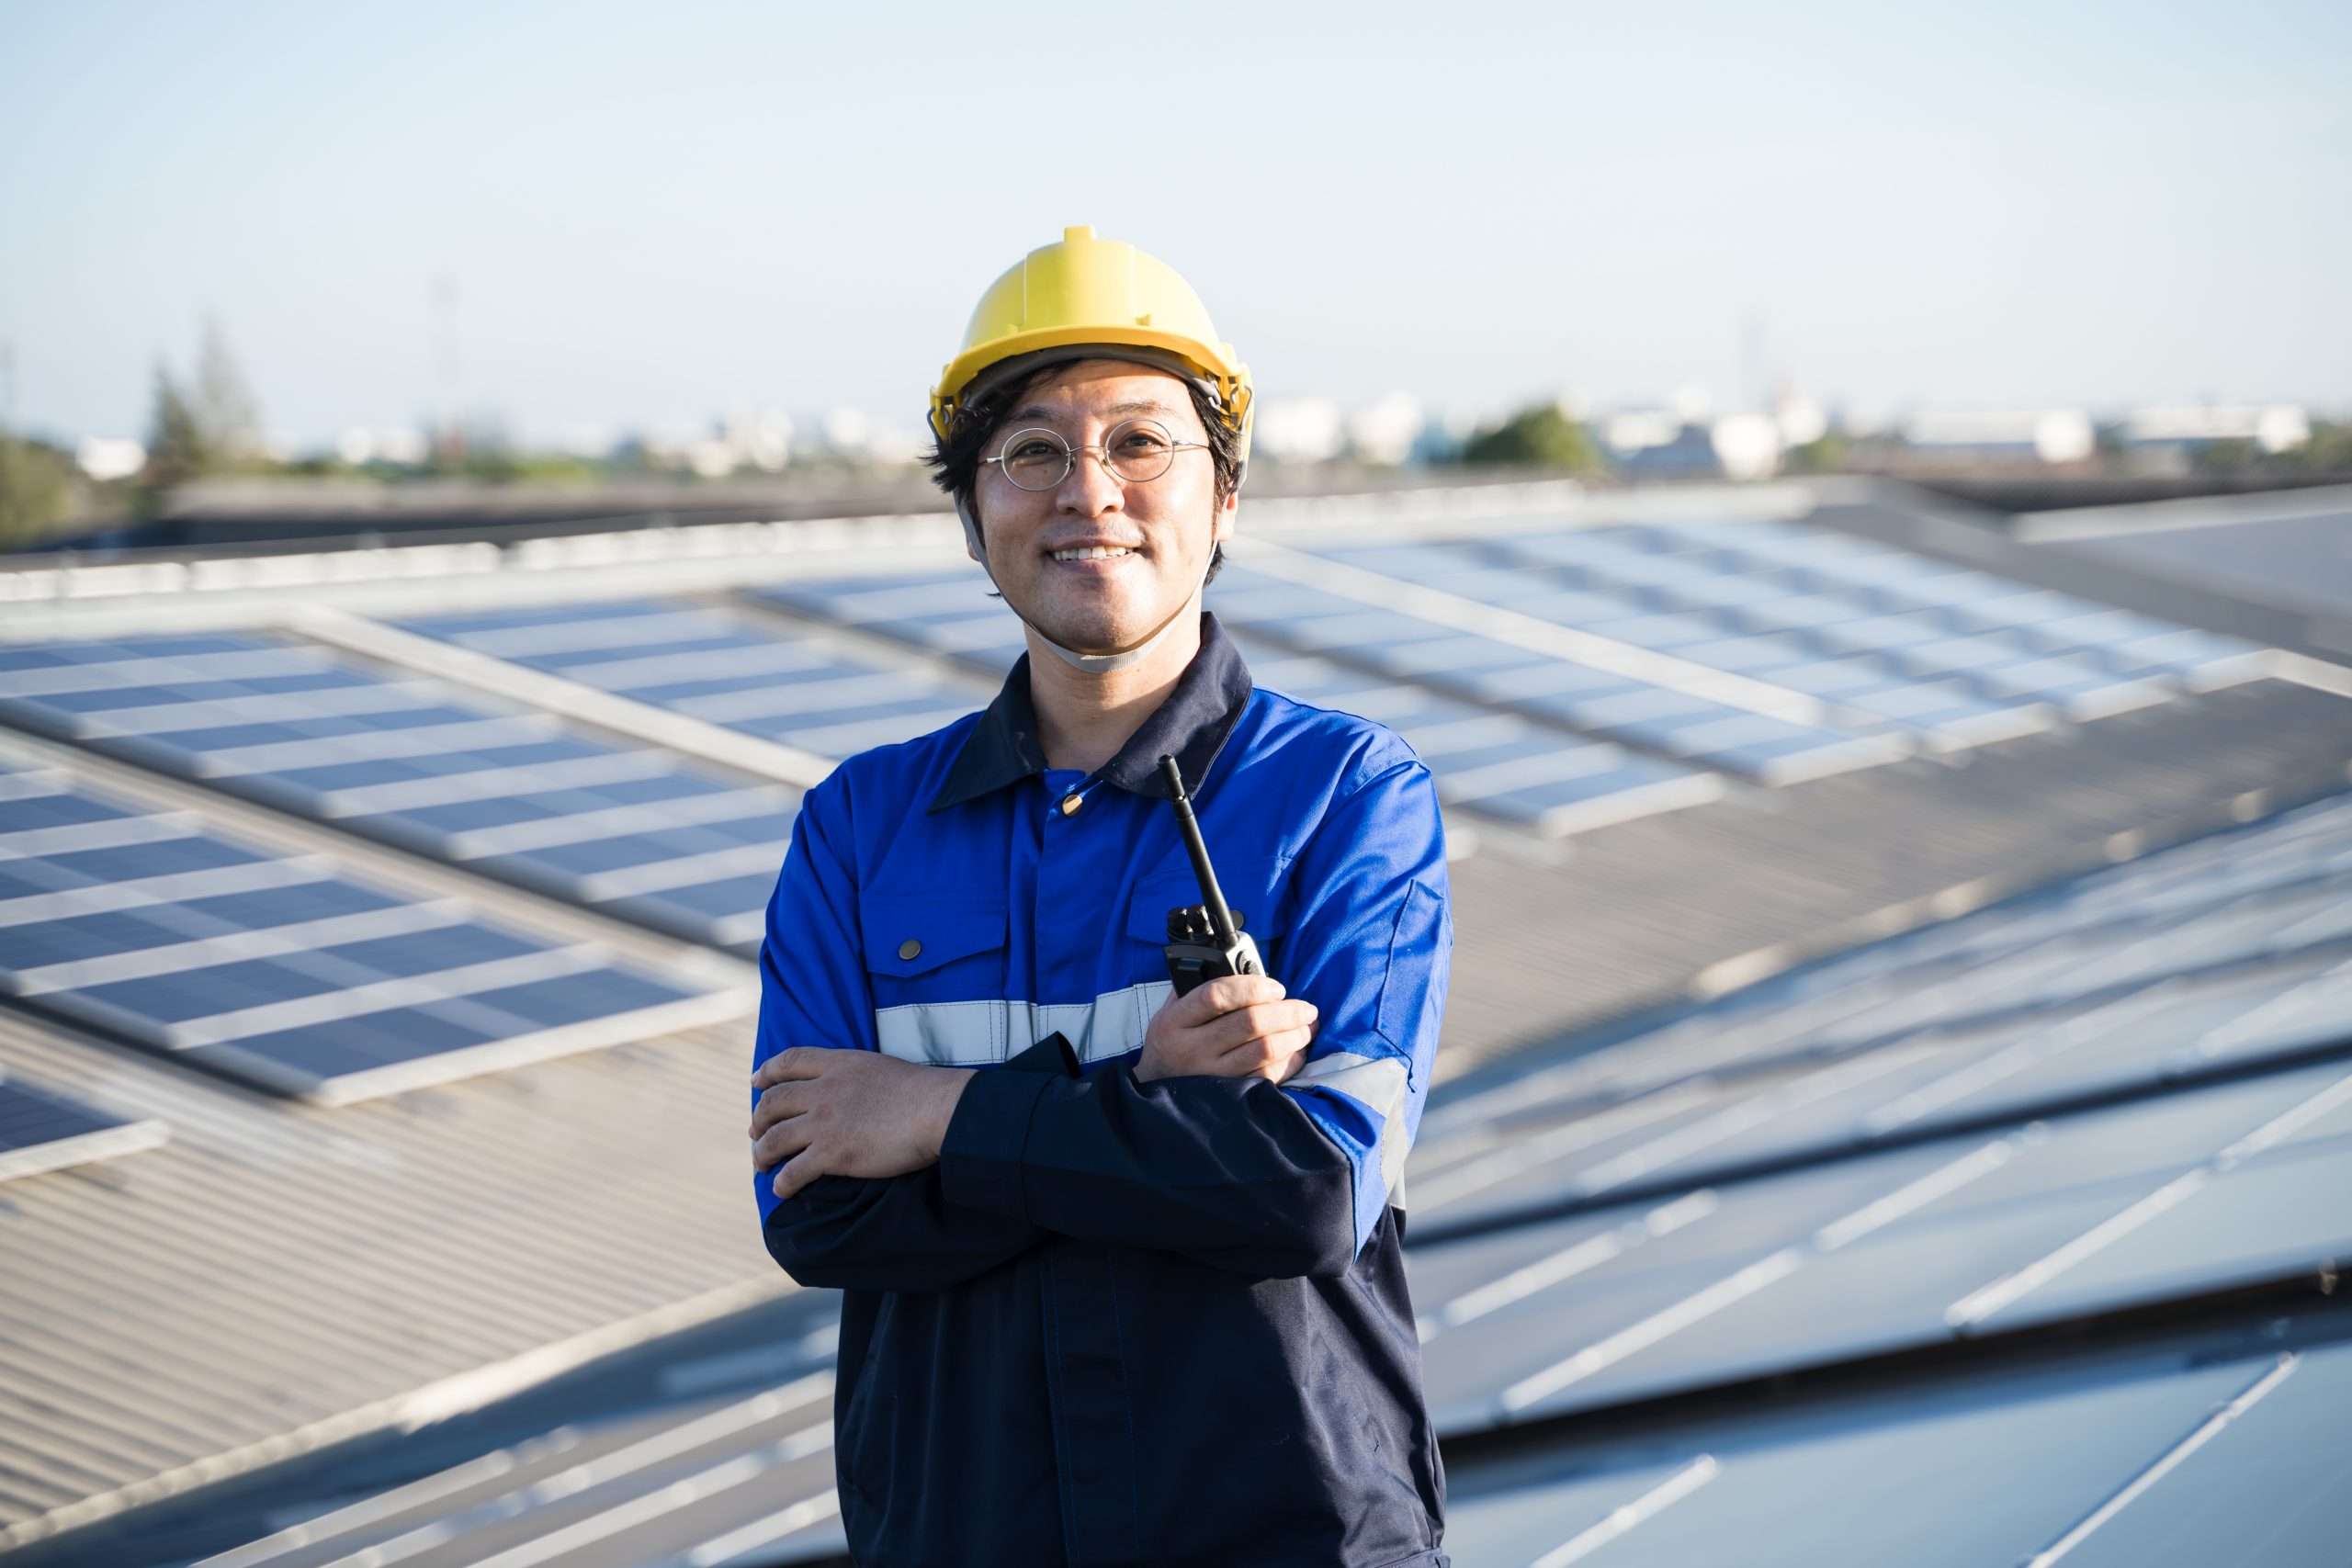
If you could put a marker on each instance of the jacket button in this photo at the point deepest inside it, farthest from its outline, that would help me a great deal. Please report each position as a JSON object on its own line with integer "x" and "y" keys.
{"x": 911, "y": 948}
{"x": 1071, "y": 802}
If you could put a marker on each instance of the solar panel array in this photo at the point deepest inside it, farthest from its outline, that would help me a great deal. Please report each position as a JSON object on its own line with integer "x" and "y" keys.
{"x": 2178, "y": 1463}
{"x": 2213, "y": 958}
{"x": 41, "y": 1130}
{"x": 1501, "y": 764}
{"x": 286, "y": 971}
{"x": 1938, "y": 650}
{"x": 775, "y": 682}
{"x": 512, "y": 793}
{"x": 2127, "y": 1092}
{"x": 709, "y": 1482}
{"x": 1745, "y": 649}
{"x": 1667, "y": 719}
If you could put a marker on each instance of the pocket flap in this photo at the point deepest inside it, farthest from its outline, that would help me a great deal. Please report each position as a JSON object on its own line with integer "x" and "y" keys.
{"x": 914, "y": 936}
{"x": 1147, "y": 910}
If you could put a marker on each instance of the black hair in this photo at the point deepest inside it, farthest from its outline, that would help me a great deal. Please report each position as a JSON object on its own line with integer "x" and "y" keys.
{"x": 954, "y": 457}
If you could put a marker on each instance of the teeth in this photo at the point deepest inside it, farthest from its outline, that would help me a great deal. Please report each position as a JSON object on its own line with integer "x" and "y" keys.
{"x": 1092, "y": 552}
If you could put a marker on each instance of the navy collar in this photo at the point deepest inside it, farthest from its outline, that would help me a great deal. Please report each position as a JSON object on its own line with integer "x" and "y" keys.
{"x": 1192, "y": 726}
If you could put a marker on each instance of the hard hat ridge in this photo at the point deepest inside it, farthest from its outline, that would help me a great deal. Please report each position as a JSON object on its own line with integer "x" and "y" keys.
{"x": 1105, "y": 300}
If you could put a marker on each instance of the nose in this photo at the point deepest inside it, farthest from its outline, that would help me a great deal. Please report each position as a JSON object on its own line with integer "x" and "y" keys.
{"x": 1090, "y": 489}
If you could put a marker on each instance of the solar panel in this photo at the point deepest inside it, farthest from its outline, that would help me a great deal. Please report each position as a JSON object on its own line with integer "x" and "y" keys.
{"x": 2228, "y": 1185}
{"x": 1501, "y": 764}
{"x": 2096, "y": 645}
{"x": 1392, "y": 640}
{"x": 413, "y": 763}
{"x": 707, "y": 1483}
{"x": 41, "y": 1130}
{"x": 748, "y": 673}
{"x": 946, "y": 612}
{"x": 287, "y": 971}
{"x": 2176, "y": 1463}
{"x": 2217, "y": 957}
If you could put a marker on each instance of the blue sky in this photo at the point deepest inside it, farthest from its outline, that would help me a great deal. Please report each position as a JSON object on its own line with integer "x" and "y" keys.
{"x": 656, "y": 213}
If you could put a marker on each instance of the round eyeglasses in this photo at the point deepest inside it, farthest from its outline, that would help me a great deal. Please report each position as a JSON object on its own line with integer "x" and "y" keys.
{"x": 1135, "y": 452}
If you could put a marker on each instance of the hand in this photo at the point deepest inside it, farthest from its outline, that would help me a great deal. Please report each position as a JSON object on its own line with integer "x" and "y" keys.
{"x": 839, "y": 1112}
{"x": 1237, "y": 1026}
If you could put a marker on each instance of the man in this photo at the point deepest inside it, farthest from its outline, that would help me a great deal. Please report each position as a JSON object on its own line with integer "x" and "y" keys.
{"x": 1121, "y": 1270}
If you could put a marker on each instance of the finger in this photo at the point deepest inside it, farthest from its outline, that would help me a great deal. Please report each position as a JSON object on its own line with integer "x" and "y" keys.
{"x": 1226, "y": 993}
{"x": 1245, "y": 1024}
{"x": 777, "y": 1145}
{"x": 793, "y": 1062}
{"x": 1266, "y": 1052}
{"x": 779, "y": 1104}
{"x": 796, "y": 1173}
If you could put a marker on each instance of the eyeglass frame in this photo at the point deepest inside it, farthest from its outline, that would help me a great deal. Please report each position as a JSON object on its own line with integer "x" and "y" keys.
{"x": 1100, "y": 449}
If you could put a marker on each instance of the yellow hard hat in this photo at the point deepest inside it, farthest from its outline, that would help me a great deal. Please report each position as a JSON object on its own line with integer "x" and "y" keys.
{"x": 1088, "y": 293}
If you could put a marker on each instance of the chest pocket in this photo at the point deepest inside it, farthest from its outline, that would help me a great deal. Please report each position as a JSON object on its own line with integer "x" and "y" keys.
{"x": 1259, "y": 902}
{"x": 936, "y": 969}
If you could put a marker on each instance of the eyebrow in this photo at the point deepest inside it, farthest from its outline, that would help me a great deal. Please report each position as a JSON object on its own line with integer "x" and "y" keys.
{"x": 1036, "y": 411}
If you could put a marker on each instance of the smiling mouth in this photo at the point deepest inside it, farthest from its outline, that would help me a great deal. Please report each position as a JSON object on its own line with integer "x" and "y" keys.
{"x": 1093, "y": 552}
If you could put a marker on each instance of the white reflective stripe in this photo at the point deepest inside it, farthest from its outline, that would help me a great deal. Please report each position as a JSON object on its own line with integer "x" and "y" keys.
{"x": 766, "y": 801}
{"x": 106, "y": 833}
{"x": 38, "y": 783}
{"x": 374, "y": 745}
{"x": 665, "y": 669}
{"x": 267, "y": 708}
{"x": 1379, "y": 1082}
{"x": 976, "y": 1033}
{"x": 111, "y": 675}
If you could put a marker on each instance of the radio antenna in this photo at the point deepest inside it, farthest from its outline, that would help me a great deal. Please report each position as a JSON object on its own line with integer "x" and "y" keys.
{"x": 1212, "y": 898}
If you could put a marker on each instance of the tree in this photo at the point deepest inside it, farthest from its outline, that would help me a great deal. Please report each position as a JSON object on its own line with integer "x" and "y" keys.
{"x": 2329, "y": 450}
{"x": 1825, "y": 454}
{"x": 211, "y": 426}
{"x": 1541, "y": 435}
{"x": 178, "y": 448}
{"x": 37, "y": 490}
{"x": 225, "y": 408}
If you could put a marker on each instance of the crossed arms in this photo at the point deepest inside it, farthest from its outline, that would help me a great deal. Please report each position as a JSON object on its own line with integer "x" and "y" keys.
{"x": 1259, "y": 1132}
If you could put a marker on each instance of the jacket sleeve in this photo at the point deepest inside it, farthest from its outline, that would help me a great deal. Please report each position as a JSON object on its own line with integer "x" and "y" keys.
{"x": 1270, "y": 1181}
{"x": 901, "y": 1233}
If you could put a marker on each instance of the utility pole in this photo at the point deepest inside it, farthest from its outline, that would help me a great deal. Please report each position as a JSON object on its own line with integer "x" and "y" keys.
{"x": 442, "y": 296}
{"x": 1751, "y": 360}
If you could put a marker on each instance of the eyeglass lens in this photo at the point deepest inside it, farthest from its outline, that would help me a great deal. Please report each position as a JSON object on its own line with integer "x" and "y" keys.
{"x": 1135, "y": 451}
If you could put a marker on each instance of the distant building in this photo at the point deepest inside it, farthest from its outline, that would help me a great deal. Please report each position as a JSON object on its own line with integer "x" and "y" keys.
{"x": 2278, "y": 427}
{"x": 2047, "y": 435}
{"x": 400, "y": 447}
{"x": 1387, "y": 431}
{"x": 105, "y": 458}
{"x": 761, "y": 441}
{"x": 1801, "y": 419}
{"x": 1299, "y": 430}
{"x": 1668, "y": 444}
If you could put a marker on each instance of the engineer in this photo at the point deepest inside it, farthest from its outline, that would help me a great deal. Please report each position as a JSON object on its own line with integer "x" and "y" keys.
{"x": 1122, "y": 1272}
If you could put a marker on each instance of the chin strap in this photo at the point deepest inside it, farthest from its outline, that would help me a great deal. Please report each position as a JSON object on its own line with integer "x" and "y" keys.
{"x": 1092, "y": 664}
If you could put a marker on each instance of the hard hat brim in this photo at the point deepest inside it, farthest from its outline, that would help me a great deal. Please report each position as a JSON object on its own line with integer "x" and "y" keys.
{"x": 970, "y": 375}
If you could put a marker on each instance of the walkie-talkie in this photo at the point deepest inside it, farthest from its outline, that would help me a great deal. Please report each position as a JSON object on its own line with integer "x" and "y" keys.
{"x": 1204, "y": 940}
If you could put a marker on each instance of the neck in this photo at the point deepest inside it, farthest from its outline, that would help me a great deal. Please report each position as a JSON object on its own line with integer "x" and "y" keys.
{"x": 1084, "y": 717}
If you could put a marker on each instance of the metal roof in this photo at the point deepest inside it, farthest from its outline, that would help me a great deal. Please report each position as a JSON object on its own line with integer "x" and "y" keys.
{"x": 1690, "y": 1139}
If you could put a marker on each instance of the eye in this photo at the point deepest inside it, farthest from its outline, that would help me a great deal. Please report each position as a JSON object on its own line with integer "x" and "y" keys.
{"x": 1142, "y": 441}
{"x": 1031, "y": 449}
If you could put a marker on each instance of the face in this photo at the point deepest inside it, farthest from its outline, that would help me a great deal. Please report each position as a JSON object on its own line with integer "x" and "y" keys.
{"x": 1160, "y": 531}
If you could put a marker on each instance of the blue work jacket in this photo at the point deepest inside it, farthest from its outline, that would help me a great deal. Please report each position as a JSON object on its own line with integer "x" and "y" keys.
{"x": 1122, "y": 1323}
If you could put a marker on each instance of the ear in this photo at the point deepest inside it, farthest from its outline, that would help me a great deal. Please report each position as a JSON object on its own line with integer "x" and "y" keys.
{"x": 970, "y": 518}
{"x": 1221, "y": 521}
